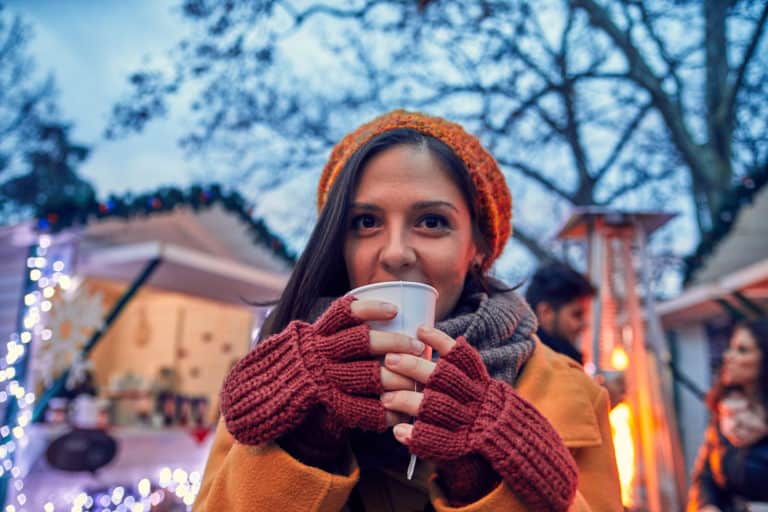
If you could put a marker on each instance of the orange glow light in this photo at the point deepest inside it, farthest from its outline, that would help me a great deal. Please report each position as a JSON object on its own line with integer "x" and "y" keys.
{"x": 619, "y": 359}
{"x": 621, "y": 430}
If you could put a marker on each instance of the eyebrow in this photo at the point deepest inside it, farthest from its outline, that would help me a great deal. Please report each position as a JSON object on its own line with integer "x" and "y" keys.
{"x": 421, "y": 205}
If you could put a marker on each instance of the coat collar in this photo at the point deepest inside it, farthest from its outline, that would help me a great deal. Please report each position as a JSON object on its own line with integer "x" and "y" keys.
{"x": 560, "y": 389}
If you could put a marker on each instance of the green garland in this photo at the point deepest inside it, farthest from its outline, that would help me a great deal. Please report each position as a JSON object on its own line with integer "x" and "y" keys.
{"x": 740, "y": 195}
{"x": 53, "y": 218}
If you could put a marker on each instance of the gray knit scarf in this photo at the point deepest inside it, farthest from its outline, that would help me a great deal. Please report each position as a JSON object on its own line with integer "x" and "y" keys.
{"x": 498, "y": 326}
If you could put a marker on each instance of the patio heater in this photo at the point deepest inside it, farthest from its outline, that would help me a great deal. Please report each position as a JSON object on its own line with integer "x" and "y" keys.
{"x": 625, "y": 341}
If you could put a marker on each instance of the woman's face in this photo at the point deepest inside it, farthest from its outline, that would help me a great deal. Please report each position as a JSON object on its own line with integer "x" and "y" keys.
{"x": 409, "y": 222}
{"x": 742, "y": 360}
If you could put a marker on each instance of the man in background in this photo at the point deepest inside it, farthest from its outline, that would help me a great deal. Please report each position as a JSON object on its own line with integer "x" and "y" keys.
{"x": 559, "y": 296}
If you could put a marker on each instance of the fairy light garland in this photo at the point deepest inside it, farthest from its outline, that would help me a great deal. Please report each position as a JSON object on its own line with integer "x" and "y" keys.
{"x": 145, "y": 495}
{"x": 44, "y": 275}
{"x": 47, "y": 274}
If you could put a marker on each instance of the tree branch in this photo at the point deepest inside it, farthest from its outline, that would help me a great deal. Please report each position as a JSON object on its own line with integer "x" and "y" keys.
{"x": 640, "y": 178}
{"x": 624, "y": 138}
{"x": 533, "y": 245}
{"x": 733, "y": 90}
{"x": 641, "y": 73}
{"x": 536, "y": 175}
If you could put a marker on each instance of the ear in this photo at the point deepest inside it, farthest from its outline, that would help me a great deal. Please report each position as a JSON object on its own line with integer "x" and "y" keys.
{"x": 545, "y": 313}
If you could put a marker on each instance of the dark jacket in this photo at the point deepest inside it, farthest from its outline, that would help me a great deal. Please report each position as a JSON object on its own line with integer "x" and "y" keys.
{"x": 560, "y": 345}
{"x": 726, "y": 476}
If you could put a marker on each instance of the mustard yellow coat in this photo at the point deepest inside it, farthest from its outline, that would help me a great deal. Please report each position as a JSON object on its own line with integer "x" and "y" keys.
{"x": 241, "y": 478}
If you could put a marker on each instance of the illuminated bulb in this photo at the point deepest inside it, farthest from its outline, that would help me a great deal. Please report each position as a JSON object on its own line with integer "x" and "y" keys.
{"x": 619, "y": 359}
{"x": 35, "y": 274}
{"x": 48, "y": 507}
{"x": 48, "y": 292}
{"x": 43, "y": 282}
{"x": 138, "y": 507}
{"x": 194, "y": 477}
{"x": 45, "y": 305}
{"x": 10, "y": 508}
{"x": 26, "y": 337}
{"x": 117, "y": 495}
{"x": 165, "y": 477}
{"x": 58, "y": 266}
{"x": 22, "y": 499}
{"x": 29, "y": 299}
{"x": 144, "y": 487}
{"x": 46, "y": 334}
{"x": 179, "y": 476}
{"x": 65, "y": 282}
{"x": 44, "y": 241}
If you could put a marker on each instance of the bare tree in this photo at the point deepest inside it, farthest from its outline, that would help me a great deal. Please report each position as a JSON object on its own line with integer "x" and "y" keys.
{"x": 613, "y": 102}
{"x": 37, "y": 159}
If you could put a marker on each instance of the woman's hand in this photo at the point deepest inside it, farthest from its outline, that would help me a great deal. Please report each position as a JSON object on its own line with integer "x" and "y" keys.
{"x": 383, "y": 343}
{"x": 402, "y": 401}
{"x": 464, "y": 413}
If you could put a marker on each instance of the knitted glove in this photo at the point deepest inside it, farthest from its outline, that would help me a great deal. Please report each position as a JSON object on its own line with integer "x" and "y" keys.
{"x": 322, "y": 368}
{"x": 464, "y": 411}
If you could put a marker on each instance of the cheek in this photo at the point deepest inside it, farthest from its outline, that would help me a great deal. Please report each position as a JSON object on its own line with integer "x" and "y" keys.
{"x": 354, "y": 259}
{"x": 447, "y": 275}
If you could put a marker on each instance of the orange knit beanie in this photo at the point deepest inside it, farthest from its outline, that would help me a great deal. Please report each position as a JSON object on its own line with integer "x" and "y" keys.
{"x": 494, "y": 199}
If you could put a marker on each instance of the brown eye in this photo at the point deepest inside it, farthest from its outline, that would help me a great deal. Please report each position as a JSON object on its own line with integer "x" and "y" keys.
{"x": 433, "y": 222}
{"x": 364, "y": 221}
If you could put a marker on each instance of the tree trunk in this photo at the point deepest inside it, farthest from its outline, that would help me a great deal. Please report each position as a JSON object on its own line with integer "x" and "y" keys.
{"x": 720, "y": 118}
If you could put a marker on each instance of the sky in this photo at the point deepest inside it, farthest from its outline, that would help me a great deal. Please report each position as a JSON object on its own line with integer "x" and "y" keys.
{"x": 91, "y": 47}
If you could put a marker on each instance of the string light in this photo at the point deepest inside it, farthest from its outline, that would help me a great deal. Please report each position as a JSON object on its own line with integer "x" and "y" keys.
{"x": 44, "y": 279}
{"x": 142, "y": 497}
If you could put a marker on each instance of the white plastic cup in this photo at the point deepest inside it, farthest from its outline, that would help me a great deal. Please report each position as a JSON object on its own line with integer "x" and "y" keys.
{"x": 415, "y": 306}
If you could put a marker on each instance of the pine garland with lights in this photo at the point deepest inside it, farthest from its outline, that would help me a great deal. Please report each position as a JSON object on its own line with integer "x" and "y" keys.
{"x": 740, "y": 195}
{"x": 53, "y": 218}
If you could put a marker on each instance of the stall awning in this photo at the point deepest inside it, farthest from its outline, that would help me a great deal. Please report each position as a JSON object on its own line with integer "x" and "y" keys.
{"x": 701, "y": 301}
{"x": 184, "y": 270}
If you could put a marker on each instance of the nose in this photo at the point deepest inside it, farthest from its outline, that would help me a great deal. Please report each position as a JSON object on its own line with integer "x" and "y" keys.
{"x": 397, "y": 253}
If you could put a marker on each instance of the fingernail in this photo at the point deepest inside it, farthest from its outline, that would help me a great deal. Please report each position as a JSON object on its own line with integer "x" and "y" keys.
{"x": 417, "y": 346}
{"x": 386, "y": 398}
{"x": 426, "y": 329}
{"x": 392, "y": 359}
{"x": 400, "y": 430}
{"x": 388, "y": 308}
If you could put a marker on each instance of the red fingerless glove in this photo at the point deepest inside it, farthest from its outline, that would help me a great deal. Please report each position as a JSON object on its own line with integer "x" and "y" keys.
{"x": 323, "y": 368}
{"x": 464, "y": 411}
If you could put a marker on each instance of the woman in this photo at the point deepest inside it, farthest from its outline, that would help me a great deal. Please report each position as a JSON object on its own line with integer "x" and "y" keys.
{"x": 502, "y": 423}
{"x": 732, "y": 467}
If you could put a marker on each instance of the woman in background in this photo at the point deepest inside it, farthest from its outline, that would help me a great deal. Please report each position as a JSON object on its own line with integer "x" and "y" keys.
{"x": 732, "y": 466}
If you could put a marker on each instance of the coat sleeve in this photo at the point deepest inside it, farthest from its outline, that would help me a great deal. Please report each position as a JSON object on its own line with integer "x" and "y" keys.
{"x": 704, "y": 488}
{"x": 598, "y": 478}
{"x": 241, "y": 478}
